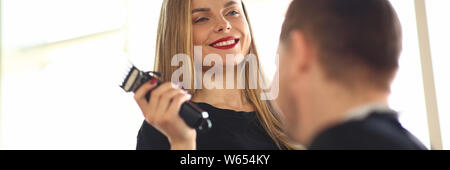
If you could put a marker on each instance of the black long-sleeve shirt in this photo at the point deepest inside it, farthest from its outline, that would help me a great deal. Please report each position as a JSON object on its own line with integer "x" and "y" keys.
{"x": 230, "y": 130}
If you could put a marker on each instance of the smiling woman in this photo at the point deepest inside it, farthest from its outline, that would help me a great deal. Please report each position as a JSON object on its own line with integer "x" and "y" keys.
{"x": 53, "y": 47}
{"x": 219, "y": 27}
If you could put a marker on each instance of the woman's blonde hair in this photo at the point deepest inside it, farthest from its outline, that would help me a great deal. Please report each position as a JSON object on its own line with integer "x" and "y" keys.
{"x": 175, "y": 36}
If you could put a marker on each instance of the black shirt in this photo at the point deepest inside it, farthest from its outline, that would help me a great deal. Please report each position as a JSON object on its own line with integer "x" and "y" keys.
{"x": 377, "y": 131}
{"x": 230, "y": 130}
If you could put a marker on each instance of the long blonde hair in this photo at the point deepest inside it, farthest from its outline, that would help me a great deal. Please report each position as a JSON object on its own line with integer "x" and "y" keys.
{"x": 175, "y": 36}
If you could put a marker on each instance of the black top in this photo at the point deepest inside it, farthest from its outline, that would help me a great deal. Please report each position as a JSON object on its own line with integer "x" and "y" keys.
{"x": 377, "y": 131}
{"x": 230, "y": 130}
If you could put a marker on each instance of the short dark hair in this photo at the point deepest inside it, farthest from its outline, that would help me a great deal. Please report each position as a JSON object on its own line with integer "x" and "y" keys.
{"x": 349, "y": 35}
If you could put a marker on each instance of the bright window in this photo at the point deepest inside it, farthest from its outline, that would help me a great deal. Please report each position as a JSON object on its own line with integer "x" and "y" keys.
{"x": 57, "y": 91}
{"x": 439, "y": 40}
{"x": 407, "y": 89}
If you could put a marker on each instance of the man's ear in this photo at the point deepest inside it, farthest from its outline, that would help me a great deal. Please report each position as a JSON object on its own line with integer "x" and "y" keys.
{"x": 301, "y": 49}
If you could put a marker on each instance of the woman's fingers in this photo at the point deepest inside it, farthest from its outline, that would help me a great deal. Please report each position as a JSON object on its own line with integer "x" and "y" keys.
{"x": 166, "y": 99}
{"x": 178, "y": 100}
{"x": 155, "y": 100}
{"x": 139, "y": 95}
{"x": 141, "y": 91}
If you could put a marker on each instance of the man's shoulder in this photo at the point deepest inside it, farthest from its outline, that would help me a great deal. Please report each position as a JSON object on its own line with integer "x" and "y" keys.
{"x": 377, "y": 131}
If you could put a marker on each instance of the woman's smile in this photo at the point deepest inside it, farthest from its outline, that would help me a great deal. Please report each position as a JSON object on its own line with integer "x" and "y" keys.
{"x": 225, "y": 43}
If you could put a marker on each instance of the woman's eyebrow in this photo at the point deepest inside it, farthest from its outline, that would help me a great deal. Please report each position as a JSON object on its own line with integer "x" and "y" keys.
{"x": 228, "y": 4}
{"x": 201, "y": 10}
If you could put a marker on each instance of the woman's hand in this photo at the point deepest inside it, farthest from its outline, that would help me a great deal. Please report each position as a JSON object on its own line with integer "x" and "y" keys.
{"x": 162, "y": 113}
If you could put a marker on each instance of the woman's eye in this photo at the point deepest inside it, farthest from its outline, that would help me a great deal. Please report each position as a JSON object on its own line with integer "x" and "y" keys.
{"x": 234, "y": 12}
{"x": 201, "y": 20}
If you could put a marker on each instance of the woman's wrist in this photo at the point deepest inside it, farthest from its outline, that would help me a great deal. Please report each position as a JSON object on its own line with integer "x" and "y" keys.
{"x": 185, "y": 145}
{"x": 188, "y": 142}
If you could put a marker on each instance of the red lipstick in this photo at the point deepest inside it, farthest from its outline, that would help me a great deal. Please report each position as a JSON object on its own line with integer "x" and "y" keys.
{"x": 225, "y": 43}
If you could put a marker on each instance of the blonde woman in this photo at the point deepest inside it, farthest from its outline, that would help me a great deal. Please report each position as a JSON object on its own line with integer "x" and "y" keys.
{"x": 241, "y": 120}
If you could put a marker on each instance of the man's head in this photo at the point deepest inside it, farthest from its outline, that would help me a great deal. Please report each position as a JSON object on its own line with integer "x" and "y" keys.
{"x": 351, "y": 44}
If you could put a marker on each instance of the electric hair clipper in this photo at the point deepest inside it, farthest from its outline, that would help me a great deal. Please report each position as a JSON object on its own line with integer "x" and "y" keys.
{"x": 194, "y": 116}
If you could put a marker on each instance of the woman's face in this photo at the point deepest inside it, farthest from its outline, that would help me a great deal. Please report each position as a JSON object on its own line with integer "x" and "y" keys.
{"x": 220, "y": 27}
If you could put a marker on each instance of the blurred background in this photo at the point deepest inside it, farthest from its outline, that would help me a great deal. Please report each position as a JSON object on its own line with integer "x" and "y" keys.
{"x": 59, "y": 59}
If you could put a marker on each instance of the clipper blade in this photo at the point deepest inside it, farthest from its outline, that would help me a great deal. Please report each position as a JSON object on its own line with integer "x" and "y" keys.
{"x": 130, "y": 79}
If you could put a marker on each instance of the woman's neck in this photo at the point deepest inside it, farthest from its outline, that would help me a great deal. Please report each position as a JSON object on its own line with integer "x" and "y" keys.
{"x": 233, "y": 99}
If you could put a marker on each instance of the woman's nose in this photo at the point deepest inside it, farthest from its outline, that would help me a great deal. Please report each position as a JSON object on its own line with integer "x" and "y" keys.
{"x": 223, "y": 26}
